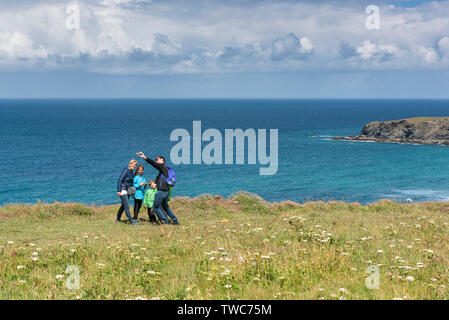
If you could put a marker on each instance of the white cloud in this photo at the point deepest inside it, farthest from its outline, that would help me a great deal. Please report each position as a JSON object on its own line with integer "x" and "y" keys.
{"x": 18, "y": 51}
{"x": 290, "y": 47}
{"x": 443, "y": 45}
{"x": 162, "y": 45}
{"x": 429, "y": 55}
{"x": 141, "y": 36}
{"x": 369, "y": 50}
{"x": 19, "y": 46}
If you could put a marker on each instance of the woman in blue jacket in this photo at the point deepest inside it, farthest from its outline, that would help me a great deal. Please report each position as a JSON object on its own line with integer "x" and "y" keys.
{"x": 140, "y": 184}
{"x": 125, "y": 181}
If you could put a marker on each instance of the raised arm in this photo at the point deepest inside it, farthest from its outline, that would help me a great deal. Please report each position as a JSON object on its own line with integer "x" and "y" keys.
{"x": 155, "y": 165}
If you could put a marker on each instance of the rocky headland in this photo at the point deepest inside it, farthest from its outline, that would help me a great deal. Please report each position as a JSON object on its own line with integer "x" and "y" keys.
{"x": 423, "y": 130}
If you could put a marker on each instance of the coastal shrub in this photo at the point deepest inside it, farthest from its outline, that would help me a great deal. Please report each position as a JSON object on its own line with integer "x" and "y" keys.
{"x": 286, "y": 206}
{"x": 59, "y": 210}
{"x": 46, "y": 210}
{"x": 81, "y": 210}
{"x": 252, "y": 203}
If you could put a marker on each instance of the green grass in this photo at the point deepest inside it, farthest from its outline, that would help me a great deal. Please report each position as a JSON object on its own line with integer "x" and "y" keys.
{"x": 424, "y": 119}
{"x": 237, "y": 248}
{"x": 417, "y": 119}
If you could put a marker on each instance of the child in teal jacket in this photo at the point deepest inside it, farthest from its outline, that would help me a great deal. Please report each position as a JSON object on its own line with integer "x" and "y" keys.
{"x": 140, "y": 184}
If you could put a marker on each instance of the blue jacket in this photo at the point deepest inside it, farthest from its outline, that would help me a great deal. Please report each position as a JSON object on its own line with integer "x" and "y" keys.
{"x": 140, "y": 191}
{"x": 125, "y": 181}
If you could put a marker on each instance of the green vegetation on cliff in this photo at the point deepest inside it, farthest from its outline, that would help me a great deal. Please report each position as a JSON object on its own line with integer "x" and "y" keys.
{"x": 237, "y": 248}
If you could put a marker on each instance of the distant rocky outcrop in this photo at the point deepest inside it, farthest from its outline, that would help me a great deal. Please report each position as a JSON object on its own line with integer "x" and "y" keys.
{"x": 425, "y": 130}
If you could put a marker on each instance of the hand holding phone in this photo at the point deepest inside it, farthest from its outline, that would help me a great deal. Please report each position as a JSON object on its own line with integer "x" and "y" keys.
{"x": 140, "y": 154}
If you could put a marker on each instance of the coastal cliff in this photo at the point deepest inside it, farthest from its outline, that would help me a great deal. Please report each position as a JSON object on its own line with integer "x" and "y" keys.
{"x": 257, "y": 249}
{"x": 424, "y": 130}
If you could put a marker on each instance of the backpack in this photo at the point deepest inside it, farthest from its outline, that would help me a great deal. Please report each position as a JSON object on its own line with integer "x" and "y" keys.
{"x": 171, "y": 179}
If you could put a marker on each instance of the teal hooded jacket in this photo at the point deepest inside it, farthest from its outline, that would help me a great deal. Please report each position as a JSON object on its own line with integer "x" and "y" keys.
{"x": 140, "y": 190}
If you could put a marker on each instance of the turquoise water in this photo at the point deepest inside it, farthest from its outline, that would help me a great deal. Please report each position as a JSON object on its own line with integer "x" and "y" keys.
{"x": 74, "y": 150}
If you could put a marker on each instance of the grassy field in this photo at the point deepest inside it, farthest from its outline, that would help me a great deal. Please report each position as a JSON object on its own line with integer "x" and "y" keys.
{"x": 236, "y": 248}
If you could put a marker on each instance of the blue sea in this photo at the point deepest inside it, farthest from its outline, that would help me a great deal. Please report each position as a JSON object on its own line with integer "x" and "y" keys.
{"x": 74, "y": 150}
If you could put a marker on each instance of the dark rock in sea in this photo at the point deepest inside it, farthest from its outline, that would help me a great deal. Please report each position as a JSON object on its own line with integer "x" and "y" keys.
{"x": 425, "y": 130}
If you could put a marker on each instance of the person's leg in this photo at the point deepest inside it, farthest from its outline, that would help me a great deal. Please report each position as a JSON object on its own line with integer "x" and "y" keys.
{"x": 168, "y": 210}
{"x": 137, "y": 206}
{"x": 157, "y": 204}
{"x": 151, "y": 215}
{"x": 135, "y": 209}
{"x": 125, "y": 204}
{"x": 120, "y": 211}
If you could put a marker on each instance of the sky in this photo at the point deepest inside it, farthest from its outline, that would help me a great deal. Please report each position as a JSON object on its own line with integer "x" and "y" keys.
{"x": 224, "y": 49}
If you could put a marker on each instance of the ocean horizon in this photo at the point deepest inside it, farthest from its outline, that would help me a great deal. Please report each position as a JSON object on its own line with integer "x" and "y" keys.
{"x": 72, "y": 150}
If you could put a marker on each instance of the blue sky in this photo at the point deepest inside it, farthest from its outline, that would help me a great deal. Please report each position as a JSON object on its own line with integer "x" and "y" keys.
{"x": 229, "y": 49}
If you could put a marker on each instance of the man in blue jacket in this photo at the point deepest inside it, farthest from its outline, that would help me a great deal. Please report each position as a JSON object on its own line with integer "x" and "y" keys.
{"x": 161, "y": 198}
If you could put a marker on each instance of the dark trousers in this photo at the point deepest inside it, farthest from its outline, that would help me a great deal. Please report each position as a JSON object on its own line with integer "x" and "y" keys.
{"x": 124, "y": 207}
{"x": 160, "y": 206}
{"x": 137, "y": 206}
{"x": 152, "y": 215}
